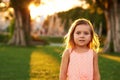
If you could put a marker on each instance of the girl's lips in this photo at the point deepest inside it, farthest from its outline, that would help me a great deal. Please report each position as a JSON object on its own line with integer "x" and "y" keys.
{"x": 81, "y": 40}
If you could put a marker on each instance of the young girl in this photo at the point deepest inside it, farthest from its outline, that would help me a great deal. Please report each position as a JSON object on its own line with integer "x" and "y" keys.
{"x": 79, "y": 60}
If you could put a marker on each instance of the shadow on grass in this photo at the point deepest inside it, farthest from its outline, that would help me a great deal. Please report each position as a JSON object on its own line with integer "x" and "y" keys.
{"x": 14, "y": 62}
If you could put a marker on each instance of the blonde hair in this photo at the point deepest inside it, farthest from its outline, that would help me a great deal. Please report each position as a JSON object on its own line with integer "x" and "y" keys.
{"x": 69, "y": 41}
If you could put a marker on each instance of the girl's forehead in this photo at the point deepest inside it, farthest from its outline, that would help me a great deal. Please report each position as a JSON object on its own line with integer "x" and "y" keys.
{"x": 83, "y": 27}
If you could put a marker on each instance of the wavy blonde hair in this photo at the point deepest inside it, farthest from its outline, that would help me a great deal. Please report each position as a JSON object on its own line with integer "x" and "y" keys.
{"x": 69, "y": 41}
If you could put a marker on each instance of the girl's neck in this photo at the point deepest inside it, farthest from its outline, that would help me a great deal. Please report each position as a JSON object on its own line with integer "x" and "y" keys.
{"x": 81, "y": 49}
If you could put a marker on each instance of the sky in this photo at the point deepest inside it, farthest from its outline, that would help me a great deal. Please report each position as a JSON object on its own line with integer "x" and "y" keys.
{"x": 49, "y": 7}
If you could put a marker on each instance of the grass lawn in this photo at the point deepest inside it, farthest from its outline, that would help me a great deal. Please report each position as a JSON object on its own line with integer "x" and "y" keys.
{"x": 43, "y": 62}
{"x": 109, "y": 65}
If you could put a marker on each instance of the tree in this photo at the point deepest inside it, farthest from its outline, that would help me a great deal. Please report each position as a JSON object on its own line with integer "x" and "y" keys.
{"x": 110, "y": 10}
{"x": 21, "y": 35}
{"x": 115, "y": 19}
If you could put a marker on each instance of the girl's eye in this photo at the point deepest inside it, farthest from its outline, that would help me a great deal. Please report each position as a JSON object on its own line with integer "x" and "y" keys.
{"x": 78, "y": 32}
{"x": 86, "y": 33}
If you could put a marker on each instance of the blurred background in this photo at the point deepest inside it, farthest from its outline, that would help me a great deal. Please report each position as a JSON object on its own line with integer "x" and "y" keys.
{"x": 32, "y": 36}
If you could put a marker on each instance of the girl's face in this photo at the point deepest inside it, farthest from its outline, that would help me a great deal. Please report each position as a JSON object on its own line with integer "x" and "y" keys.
{"x": 82, "y": 35}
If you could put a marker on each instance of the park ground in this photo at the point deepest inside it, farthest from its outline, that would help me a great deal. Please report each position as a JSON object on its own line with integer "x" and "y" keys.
{"x": 43, "y": 63}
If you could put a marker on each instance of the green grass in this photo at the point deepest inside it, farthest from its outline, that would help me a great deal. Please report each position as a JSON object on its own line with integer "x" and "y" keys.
{"x": 52, "y": 39}
{"x": 109, "y": 65}
{"x": 14, "y": 63}
{"x": 43, "y": 62}
{"x": 29, "y": 63}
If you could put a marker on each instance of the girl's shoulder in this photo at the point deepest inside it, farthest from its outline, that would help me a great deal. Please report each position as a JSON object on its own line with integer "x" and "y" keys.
{"x": 94, "y": 52}
{"x": 67, "y": 52}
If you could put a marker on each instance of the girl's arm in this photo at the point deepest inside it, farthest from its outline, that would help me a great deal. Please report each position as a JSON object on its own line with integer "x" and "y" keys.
{"x": 64, "y": 65}
{"x": 96, "y": 74}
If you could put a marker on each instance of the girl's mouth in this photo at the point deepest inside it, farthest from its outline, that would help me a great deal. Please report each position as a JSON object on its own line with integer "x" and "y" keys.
{"x": 81, "y": 40}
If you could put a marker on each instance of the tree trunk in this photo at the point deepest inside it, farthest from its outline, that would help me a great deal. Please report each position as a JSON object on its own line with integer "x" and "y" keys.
{"x": 113, "y": 43}
{"x": 18, "y": 36}
{"x": 108, "y": 38}
{"x": 100, "y": 29}
{"x": 112, "y": 18}
{"x": 21, "y": 36}
{"x": 117, "y": 28}
{"x": 26, "y": 25}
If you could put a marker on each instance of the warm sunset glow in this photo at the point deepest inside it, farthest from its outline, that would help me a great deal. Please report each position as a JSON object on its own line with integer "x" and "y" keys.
{"x": 115, "y": 58}
{"x": 2, "y": 4}
{"x": 86, "y": 6}
{"x": 42, "y": 64}
{"x": 49, "y": 7}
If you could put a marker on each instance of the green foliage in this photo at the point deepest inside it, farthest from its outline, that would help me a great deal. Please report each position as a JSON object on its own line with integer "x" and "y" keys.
{"x": 46, "y": 40}
{"x": 52, "y": 39}
{"x": 102, "y": 40}
{"x": 11, "y": 28}
{"x": 103, "y": 4}
{"x": 4, "y": 38}
{"x": 78, "y": 12}
{"x": 41, "y": 40}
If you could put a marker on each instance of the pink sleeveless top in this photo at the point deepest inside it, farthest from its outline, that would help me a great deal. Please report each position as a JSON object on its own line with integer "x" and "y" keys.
{"x": 80, "y": 66}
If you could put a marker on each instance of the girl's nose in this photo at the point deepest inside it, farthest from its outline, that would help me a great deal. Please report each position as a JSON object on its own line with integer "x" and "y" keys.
{"x": 81, "y": 35}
